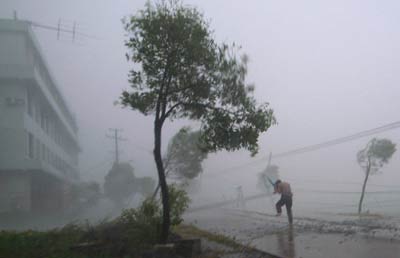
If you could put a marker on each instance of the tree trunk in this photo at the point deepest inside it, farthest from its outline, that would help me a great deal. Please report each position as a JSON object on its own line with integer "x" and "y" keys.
{"x": 364, "y": 186}
{"x": 162, "y": 182}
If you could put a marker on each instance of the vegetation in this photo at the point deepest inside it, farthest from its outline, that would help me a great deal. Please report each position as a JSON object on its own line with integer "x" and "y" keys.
{"x": 184, "y": 155}
{"x": 144, "y": 185}
{"x": 34, "y": 244}
{"x": 120, "y": 183}
{"x": 181, "y": 72}
{"x": 183, "y": 161}
{"x": 132, "y": 232}
{"x": 372, "y": 158}
{"x": 191, "y": 231}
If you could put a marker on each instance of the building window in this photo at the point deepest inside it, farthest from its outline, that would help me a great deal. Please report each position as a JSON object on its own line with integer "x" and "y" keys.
{"x": 43, "y": 152}
{"x": 37, "y": 113}
{"x": 37, "y": 149}
{"x": 43, "y": 120}
{"x": 26, "y": 135}
{"x": 29, "y": 102}
{"x": 30, "y": 146}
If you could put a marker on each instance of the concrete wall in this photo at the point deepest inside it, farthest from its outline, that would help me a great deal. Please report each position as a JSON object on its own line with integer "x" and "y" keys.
{"x": 12, "y": 136}
{"x": 15, "y": 191}
{"x": 36, "y": 158}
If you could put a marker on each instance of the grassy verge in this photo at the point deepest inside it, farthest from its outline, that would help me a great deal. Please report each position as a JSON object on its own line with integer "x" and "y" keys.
{"x": 190, "y": 231}
{"x": 49, "y": 244}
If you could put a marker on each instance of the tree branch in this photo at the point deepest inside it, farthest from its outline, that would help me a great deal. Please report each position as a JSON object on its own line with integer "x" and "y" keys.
{"x": 170, "y": 110}
{"x": 182, "y": 89}
{"x": 202, "y": 105}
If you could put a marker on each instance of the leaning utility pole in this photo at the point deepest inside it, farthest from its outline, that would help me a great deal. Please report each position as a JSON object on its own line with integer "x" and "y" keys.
{"x": 117, "y": 139}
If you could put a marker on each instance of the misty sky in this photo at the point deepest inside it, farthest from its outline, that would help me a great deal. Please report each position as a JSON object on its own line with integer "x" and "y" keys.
{"x": 328, "y": 69}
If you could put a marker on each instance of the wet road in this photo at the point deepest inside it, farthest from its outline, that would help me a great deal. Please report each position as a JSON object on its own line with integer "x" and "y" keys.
{"x": 308, "y": 237}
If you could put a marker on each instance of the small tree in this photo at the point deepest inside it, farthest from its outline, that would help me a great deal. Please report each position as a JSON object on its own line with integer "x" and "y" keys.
{"x": 119, "y": 183}
{"x": 184, "y": 155}
{"x": 181, "y": 72}
{"x": 145, "y": 185}
{"x": 372, "y": 158}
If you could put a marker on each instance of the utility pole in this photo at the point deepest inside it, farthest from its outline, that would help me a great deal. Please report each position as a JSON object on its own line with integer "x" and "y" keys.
{"x": 117, "y": 139}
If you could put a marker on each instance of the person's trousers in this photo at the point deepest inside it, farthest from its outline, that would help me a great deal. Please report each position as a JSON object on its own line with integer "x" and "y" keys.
{"x": 287, "y": 201}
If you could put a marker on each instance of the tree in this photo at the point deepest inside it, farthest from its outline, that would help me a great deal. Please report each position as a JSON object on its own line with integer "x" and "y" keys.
{"x": 184, "y": 155}
{"x": 181, "y": 72}
{"x": 144, "y": 185}
{"x": 119, "y": 183}
{"x": 372, "y": 158}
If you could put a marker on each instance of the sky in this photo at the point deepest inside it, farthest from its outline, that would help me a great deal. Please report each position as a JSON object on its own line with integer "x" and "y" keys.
{"x": 328, "y": 69}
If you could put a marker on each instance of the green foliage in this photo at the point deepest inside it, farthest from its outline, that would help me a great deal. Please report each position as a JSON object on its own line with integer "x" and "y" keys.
{"x": 377, "y": 153}
{"x": 118, "y": 184}
{"x": 145, "y": 185}
{"x": 133, "y": 231}
{"x": 372, "y": 158}
{"x": 184, "y": 155}
{"x": 179, "y": 201}
{"x": 142, "y": 224}
{"x": 181, "y": 72}
{"x": 35, "y": 244}
{"x": 191, "y": 231}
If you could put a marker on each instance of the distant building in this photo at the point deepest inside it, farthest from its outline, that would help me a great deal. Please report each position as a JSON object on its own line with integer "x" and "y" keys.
{"x": 38, "y": 133}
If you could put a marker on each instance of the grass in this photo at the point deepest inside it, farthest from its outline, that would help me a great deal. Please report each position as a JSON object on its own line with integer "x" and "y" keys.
{"x": 36, "y": 244}
{"x": 190, "y": 231}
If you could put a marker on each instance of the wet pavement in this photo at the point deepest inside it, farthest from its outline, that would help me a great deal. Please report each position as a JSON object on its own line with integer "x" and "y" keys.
{"x": 337, "y": 236}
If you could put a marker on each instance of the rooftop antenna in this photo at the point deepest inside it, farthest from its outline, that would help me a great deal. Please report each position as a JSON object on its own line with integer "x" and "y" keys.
{"x": 60, "y": 29}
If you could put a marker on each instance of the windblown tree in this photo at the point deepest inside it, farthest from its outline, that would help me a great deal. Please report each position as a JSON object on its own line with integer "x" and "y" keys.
{"x": 184, "y": 155}
{"x": 372, "y": 158}
{"x": 181, "y": 72}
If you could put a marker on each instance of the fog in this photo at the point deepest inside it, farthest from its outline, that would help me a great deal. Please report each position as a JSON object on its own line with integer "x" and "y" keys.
{"x": 328, "y": 69}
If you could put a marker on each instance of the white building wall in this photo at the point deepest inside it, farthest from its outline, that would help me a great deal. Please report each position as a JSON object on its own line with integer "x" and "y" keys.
{"x": 15, "y": 191}
{"x": 38, "y": 134}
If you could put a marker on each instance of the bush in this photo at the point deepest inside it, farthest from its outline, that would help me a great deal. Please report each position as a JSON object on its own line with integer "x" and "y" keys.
{"x": 132, "y": 232}
{"x": 137, "y": 229}
{"x": 179, "y": 202}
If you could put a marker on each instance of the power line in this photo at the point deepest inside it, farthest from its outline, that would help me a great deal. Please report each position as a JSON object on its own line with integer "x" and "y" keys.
{"x": 339, "y": 140}
{"x": 314, "y": 147}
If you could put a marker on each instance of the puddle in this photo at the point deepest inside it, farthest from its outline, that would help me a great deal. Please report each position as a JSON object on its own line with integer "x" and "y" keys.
{"x": 290, "y": 244}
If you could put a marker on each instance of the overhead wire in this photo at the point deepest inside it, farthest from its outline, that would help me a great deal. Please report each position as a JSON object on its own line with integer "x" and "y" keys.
{"x": 313, "y": 147}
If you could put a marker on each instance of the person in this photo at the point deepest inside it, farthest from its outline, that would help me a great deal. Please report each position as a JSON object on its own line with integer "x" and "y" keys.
{"x": 284, "y": 189}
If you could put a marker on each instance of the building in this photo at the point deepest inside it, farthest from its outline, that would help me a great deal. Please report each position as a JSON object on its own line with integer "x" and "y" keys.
{"x": 38, "y": 133}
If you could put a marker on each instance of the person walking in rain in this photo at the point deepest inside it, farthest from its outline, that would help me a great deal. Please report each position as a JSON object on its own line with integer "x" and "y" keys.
{"x": 283, "y": 188}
